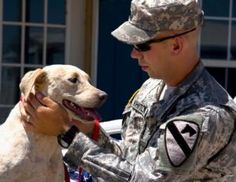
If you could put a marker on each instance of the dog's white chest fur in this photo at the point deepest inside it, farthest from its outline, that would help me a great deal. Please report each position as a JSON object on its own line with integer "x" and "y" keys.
{"x": 28, "y": 157}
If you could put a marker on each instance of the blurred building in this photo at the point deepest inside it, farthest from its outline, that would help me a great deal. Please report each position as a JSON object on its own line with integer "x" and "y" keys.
{"x": 35, "y": 33}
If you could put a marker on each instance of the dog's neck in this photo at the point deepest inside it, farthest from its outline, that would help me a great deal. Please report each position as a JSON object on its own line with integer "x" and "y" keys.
{"x": 14, "y": 118}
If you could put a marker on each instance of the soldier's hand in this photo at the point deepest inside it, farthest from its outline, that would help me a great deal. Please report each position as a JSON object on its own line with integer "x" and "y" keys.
{"x": 42, "y": 115}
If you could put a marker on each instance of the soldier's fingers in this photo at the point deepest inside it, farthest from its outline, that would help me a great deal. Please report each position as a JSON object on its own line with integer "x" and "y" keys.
{"x": 25, "y": 117}
{"x": 29, "y": 111}
{"x": 22, "y": 110}
{"x": 46, "y": 101}
{"x": 26, "y": 110}
{"x": 33, "y": 102}
{"x": 28, "y": 125}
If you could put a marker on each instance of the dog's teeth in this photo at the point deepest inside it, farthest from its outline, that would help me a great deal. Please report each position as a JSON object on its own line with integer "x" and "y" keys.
{"x": 72, "y": 105}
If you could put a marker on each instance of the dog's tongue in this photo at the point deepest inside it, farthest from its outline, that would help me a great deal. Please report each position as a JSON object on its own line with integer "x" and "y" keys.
{"x": 90, "y": 114}
{"x": 87, "y": 114}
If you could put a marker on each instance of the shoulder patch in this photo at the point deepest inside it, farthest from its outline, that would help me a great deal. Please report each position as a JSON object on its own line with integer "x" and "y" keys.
{"x": 180, "y": 140}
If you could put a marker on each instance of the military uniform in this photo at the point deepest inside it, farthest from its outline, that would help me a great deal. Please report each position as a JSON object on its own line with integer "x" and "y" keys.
{"x": 187, "y": 136}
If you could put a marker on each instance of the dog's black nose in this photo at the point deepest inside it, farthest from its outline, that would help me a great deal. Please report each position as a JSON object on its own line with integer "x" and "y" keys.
{"x": 102, "y": 96}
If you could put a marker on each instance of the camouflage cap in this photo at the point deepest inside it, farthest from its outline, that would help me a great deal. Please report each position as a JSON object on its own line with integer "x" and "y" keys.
{"x": 150, "y": 17}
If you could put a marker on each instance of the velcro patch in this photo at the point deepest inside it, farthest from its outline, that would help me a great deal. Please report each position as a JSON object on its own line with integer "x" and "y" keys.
{"x": 180, "y": 140}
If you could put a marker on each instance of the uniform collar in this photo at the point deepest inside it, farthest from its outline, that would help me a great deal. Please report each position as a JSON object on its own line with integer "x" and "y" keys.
{"x": 179, "y": 91}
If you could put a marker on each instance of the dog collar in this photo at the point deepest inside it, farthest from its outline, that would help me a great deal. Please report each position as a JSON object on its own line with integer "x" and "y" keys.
{"x": 66, "y": 138}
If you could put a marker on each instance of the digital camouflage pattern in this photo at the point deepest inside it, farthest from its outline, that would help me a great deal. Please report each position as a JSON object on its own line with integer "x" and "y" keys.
{"x": 150, "y": 17}
{"x": 187, "y": 136}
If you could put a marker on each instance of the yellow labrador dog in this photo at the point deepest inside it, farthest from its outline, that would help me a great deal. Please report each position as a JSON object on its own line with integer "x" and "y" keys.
{"x": 31, "y": 157}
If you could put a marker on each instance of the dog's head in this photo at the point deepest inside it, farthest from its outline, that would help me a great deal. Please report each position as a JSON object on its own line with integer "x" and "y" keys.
{"x": 68, "y": 86}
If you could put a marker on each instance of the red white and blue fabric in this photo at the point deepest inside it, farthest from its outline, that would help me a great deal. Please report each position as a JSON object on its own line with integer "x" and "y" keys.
{"x": 81, "y": 175}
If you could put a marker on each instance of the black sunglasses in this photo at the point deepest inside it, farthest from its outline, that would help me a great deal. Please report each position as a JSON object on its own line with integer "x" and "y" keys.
{"x": 146, "y": 45}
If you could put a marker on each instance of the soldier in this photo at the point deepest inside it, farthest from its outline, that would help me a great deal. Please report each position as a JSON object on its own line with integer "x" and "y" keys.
{"x": 179, "y": 126}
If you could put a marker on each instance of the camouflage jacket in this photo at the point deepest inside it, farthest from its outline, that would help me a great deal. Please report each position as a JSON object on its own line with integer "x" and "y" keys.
{"x": 188, "y": 136}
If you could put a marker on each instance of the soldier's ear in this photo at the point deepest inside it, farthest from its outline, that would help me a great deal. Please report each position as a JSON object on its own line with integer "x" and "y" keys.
{"x": 33, "y": 81}
{"x": 176, "y": 45}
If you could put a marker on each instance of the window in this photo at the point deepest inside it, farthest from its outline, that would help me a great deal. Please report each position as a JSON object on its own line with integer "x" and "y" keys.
{"x": 32, "y": 35}
{"x": 218, "y": 41}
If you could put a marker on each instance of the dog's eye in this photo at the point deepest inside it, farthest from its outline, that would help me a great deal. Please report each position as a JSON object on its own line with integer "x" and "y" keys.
{"x": 73, "y": 80}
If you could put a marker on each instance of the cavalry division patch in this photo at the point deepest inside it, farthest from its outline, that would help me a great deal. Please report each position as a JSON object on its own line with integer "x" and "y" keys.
{"x": 180, "y": 140}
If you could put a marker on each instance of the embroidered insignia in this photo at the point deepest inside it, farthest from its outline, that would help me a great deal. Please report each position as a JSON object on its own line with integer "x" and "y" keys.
{"x": 139, "y": 107}
{"x": 180, "y": 140}
{"x": 189, "y": 129}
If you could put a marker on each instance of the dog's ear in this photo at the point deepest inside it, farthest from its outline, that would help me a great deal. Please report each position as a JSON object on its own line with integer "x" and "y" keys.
{"x": 33, "y": 81}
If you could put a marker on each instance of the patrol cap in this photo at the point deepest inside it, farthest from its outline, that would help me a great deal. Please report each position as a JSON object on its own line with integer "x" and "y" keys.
{"x": 150, "y": 17}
